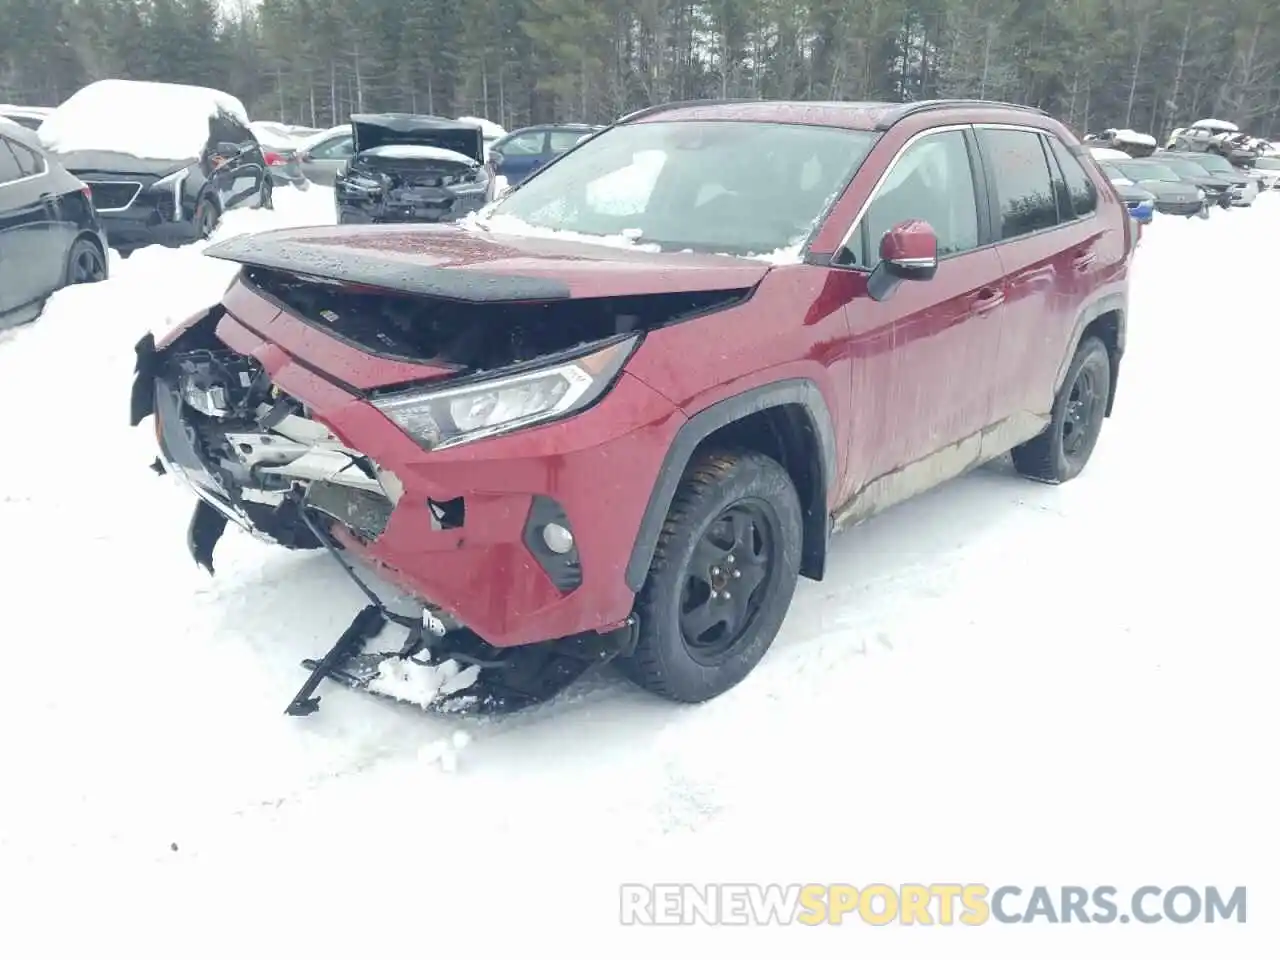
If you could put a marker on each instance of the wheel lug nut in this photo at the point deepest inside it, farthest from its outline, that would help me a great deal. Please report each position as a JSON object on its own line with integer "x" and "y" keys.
{"x": 736, "y": 574}
{"x": 725, "y": 595}
{"x": 715, "y": 571}
{"x": 729, "y": 558}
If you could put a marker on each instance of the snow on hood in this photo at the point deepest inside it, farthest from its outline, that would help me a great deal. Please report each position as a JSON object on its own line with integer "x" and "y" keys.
{"x": 410, "y": 151}
{"x": 502, "y": 224}
{"x": 153, "y": 121}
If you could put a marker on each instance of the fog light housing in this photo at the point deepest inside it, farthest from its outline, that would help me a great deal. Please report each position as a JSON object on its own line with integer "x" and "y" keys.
{"x": 557, "y": 538}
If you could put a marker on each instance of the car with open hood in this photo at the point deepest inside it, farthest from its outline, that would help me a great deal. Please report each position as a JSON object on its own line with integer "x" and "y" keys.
{"x": 617, "y": 415}
{"x": 408, "y": 168}
{"x": 165, "y": 161}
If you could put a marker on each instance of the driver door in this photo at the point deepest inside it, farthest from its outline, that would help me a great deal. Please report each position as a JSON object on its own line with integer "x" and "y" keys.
{"x": 932, "y": 377}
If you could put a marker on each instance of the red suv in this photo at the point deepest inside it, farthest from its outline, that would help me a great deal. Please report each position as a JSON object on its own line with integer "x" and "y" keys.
{"x": 621, "y": 411}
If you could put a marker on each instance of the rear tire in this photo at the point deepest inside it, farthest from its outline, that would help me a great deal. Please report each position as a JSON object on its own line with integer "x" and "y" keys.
{"x": 1060, "y": 453}
{"x": 86, "y": 263}
{"x": 722, "y": 577}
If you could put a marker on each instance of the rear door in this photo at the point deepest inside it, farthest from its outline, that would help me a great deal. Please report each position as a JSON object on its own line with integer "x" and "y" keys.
{"x": 562, "y": 141}
{"x": 323, "y": 162}
{"x": 32, "y": 257}
{"x": 521, "y": 154}
{"x": 1048, "y": 245}
{"x": 933, "y": 375}
{"x": 240, "y": 177}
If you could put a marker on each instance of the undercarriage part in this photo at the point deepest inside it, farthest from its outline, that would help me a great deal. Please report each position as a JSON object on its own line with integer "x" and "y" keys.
{"x": 506, "y": 681}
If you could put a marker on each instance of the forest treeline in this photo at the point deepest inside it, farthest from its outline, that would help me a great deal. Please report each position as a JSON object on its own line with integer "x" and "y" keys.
{"x": 1144, "y": 64}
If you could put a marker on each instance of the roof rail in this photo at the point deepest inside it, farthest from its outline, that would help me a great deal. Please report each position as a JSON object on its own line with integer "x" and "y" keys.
{"x": 923, "y": 106}
{"x": 677, "y": 104}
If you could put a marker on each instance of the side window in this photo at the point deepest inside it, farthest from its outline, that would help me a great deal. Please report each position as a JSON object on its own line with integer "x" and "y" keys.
{"x": 525, "y": 145}
{"x": 30, "y": 163}
{"x": 562, "y": 140}
{"x": 1022, "y": 181}
{"x": 339, "y": 148}
{"x": 932, "y": 181}
{"x": 1061, "y": 196}
{"x": 1084, "y": 195}
{"x": 9, "y": 169}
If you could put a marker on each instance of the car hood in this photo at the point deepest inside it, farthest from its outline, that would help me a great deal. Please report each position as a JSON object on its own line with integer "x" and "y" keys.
{"x": 1128, "y": 192}
{"x": 469, "y": 265}
{"x": 1172, "y": 192}
{"x": 371, "y": 131}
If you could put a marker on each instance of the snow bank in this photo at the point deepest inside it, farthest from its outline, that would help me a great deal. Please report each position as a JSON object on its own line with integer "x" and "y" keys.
{"x": 409, "y": 151}
{"x": 155, "y": 121}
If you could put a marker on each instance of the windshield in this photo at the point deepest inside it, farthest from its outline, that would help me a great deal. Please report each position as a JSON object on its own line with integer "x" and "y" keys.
{"x": 1185, "y": 168}
{"x": 706, "y": 186}
{"x": 1213, "y": 163}
{"x": 1148, "y": 171}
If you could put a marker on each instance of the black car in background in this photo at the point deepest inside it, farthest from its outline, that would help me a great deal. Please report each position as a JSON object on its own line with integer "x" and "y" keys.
{"x": 50, "y": 236}
{"x": 1217, "y": 189}
{"x": 1174, "y": 196}
{"x": 410, "y": 168}
{"x": 164, "y": 161}
{"x": 517, "y": 155}
{"x": 1240, "y": 185}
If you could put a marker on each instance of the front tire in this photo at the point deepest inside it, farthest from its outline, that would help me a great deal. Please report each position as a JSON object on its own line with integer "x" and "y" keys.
{"x": 206, "y": 219}
{"x": 1060, "y": 453}
{"x": 722, "y": 577}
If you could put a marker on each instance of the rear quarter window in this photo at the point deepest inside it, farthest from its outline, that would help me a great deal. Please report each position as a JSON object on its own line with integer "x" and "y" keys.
{"x": 9, "y": 169}
{"x": 1023, "y": 184}
{"x": 1080, "y": 187}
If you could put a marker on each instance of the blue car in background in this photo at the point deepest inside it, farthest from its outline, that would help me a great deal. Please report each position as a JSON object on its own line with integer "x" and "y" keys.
{"x": 523, "y": 151}
{"x": 1140, "y": 203}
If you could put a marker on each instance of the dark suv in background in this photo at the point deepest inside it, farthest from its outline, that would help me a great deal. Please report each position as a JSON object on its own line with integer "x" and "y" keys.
{"x": 573, "y": 451}
{"x": 172, "y": 161}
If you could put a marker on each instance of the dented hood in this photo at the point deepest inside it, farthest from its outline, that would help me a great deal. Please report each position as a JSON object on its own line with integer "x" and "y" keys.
{"x": 470, "y": 265}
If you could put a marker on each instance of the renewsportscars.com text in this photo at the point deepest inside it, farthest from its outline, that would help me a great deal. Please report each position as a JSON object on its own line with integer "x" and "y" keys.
{"x": 944, "y": 904}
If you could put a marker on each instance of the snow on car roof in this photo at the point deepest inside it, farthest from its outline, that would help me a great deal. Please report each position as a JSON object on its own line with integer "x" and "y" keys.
{"x": 488, "y": 129}
{"x": 1211, "y": 124}
{"x": 1106, "y": 153}
{"x": 155, "y": 121}
{"x": 1132, "y": 136}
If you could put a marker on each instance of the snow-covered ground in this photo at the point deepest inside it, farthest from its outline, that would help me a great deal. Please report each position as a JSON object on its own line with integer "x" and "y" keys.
{"x": 1001, "y": 682}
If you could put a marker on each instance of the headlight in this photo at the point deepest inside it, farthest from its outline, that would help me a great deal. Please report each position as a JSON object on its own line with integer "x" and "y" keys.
{"x": 1200, "y": 193}
{"x": 445, "y": 418}
{"x": 173, "y": 182}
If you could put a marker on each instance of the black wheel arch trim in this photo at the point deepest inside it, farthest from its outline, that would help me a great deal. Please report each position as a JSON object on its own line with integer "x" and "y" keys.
{"x": 1111, "y": 303}
{"x": 798, "y": 392}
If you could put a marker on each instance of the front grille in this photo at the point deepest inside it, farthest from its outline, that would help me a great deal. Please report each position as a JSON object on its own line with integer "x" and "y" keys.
{"x": 109, "y": 195}
{"x": 1179, "y": 207}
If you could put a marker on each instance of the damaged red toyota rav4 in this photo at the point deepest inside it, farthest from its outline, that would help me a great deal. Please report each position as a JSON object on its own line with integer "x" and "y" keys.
{"x": 616, "y": 415}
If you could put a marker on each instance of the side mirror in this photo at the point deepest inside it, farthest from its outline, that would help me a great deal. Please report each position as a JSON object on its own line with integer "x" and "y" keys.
{"x": 908, "y": 251}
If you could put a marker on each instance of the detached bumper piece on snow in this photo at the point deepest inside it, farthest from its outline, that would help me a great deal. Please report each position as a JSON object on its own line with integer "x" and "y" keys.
{"x": 505, "y": 680}
{"x": 253, "y": 457}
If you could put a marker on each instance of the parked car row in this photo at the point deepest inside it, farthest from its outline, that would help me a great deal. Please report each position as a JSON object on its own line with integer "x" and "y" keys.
{"x": 1181, "y": 182}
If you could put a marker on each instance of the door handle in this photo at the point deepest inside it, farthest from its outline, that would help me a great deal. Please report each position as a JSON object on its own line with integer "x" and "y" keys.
{"x": 988, "y": 298}
{"x": 1084, "y": 259}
